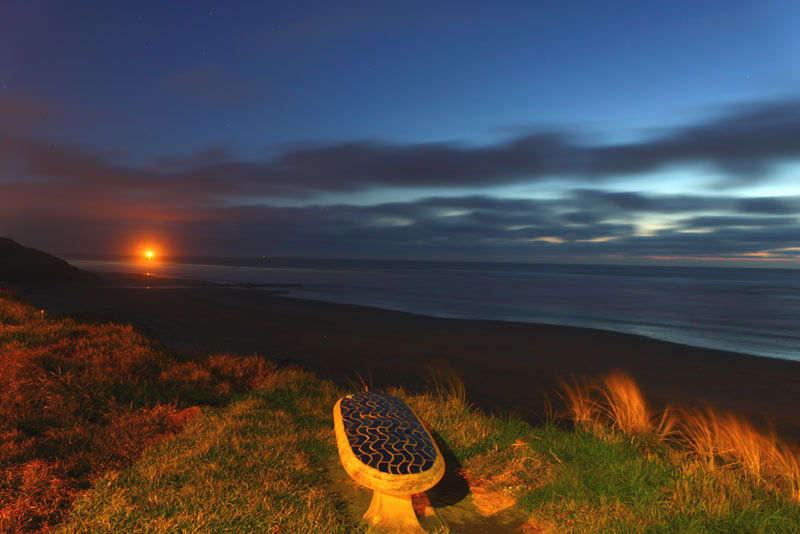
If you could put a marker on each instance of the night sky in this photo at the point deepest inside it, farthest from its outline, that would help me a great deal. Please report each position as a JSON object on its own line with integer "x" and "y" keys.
{"x": 597, "y": 132}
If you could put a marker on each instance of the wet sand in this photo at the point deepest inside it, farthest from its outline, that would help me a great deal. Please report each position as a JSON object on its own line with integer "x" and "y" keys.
{"x": 504, "y": 365}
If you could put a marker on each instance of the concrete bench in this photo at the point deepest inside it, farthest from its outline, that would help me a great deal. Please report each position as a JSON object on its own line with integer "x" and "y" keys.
{"x": 384, "y": 446}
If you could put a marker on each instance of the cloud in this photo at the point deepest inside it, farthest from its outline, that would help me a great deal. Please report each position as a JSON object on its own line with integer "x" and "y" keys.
{"x": 596, "y": 202}
{"x": 727, "y": 221}
{"x": 766, "y": 205}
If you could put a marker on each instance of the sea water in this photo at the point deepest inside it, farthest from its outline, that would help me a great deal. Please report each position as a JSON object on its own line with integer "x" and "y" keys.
{"x": 754, "y": 311}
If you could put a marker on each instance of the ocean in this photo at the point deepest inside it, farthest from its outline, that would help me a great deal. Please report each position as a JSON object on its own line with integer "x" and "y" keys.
{"x": 753, "y": 311}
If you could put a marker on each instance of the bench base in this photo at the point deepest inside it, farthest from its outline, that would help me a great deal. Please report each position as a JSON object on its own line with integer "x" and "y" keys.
{"x": 391, "y": 514}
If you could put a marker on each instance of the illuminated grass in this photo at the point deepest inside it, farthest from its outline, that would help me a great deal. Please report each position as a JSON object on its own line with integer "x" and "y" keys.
{"x": 90, "y": 417}
{"x": 78, "y": 400}
{"x": 599, "y": 479}
{"x": 728, "y": 468}
{"x": 257, "y": 465}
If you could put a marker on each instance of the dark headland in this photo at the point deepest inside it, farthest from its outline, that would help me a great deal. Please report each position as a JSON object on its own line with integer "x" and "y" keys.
{"x": 22, "y": 264}
{"x": 504, "y": 365}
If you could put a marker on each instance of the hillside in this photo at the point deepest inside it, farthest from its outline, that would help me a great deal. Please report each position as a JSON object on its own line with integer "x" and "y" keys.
{"x": 23, "y": 264}
{"x": 104, "y": 431}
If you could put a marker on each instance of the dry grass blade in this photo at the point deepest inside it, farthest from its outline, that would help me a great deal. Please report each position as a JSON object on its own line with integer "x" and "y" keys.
{"x": 667, "y": 427}
{"x": 361, "y": 384}
{"x": 787, "y": 462}
{"x": 447, "y": 383}
{"x": 749, "y": 448}
{"x": 624, "y": 404}
{"x": 576, "y": 394}
{"x": 698, "y": 433}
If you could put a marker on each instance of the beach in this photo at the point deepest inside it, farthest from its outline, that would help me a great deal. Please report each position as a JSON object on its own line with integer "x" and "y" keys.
{"x": 504, "y": 365}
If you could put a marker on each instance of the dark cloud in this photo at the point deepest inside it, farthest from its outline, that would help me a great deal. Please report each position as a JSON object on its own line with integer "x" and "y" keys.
{"x": 760, "y": 136}
{"x": 594, "y": 203}
{"x": 617, "y": 201}
{"x": 728, "y": 242}
{"x": 722, "y": 221}
{"x": 767, "y": 205}
{"x": 748, "y": 138}
{"x": 584, "y": 217}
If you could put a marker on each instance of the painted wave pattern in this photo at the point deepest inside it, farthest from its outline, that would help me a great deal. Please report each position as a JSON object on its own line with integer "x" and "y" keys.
{"x": 386, "y": 435}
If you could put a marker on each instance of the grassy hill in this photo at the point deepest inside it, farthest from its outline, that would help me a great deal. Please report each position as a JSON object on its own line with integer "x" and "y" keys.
{"x": 23, "y": 264}
{"x": 102, "y": 431}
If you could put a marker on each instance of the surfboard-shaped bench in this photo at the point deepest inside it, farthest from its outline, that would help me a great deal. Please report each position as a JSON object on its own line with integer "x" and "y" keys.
{"x": 384, "y": 446}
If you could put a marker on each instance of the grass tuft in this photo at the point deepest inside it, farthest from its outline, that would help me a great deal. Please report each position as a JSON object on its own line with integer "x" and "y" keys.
{"x": 723, "y": 440}
{"x": 615, "y": 400}
{"x": 577, "y": 396}
{"x": 623, "y": 404}
{"x": 447, "y": 384}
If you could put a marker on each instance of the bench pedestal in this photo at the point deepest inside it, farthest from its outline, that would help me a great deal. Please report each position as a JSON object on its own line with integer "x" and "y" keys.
{"x": 392, "y": 513}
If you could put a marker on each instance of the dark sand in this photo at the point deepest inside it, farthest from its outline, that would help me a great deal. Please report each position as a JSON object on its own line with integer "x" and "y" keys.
{"x": 503, "y": 365}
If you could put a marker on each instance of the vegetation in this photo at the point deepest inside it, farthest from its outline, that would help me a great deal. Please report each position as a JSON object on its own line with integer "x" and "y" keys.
{"x": 256, "y": 465}
{"x": 91, "y": 415}
{"x": 78, "y": 400}
{"x": 719, "y": 441}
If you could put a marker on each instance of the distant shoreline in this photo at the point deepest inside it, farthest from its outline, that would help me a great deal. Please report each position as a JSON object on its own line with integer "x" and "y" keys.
{"x": 504, "y": 365}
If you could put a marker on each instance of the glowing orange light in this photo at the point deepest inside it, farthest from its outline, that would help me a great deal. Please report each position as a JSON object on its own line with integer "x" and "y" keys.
{"x": 149, "y": 254}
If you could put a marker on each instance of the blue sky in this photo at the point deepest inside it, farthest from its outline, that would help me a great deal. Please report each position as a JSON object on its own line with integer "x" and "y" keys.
{"x": 252, "y": 124}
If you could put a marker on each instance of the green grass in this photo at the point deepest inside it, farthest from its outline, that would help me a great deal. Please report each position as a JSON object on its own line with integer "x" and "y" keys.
{"x": 262, "y": 457}
{"x": 256, "y": 465}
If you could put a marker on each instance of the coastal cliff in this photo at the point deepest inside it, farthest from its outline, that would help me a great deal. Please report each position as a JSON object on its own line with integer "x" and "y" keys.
{"x": 23, "y": 264}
